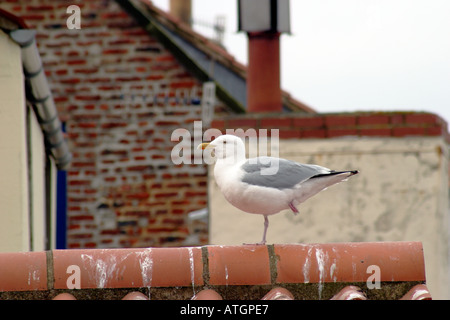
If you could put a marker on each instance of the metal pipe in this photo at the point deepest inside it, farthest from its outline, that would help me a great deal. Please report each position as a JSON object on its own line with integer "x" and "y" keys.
{"x": 39, "y": 95}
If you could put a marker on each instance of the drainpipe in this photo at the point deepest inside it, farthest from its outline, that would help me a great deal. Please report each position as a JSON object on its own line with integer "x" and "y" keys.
{"x": 39, "y": 95}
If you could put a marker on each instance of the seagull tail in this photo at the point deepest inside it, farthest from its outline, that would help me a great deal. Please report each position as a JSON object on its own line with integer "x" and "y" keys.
{"x": 322, "y": 181}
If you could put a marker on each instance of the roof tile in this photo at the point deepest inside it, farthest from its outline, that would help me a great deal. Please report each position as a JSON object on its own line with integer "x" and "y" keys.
{"x": 278, "y": 293}
{"x": 350, "y": 293}
{"x": 232, "y": 265}
{"x": 418, "y": 292}
{"x": 128, "y": 268}
{"x": 135, "y": 295}
{"x": 280, "y": 271}
{"x": 23, "y": 271}
{"x": 207, "y": 294}
{"x": 64, "y": 296}
{"x": 349, "y": 262}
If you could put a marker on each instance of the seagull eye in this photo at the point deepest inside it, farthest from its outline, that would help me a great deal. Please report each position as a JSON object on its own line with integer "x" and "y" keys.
{"x": 224, "y": 142}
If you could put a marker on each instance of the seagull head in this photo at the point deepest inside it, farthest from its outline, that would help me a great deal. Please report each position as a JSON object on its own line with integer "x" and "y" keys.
{"x": 226, "y": 147}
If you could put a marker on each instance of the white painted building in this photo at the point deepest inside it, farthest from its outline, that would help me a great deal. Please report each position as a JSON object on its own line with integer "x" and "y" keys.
{"x": 400, "y": 194}
{"x": 32, "y": 146}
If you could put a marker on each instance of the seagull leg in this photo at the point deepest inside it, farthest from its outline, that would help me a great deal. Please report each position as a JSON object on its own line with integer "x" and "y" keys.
{"x": 263, "y": 241}
{"x": 266, "y": 225}
{"x": 293, "y": 208}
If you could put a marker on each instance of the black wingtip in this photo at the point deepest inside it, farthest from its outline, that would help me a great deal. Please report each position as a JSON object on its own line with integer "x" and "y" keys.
{"x": 332, "y": 173}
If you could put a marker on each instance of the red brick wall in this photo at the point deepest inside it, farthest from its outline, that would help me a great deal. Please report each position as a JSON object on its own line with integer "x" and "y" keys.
{"x": 121, "y": 94}
{"x": 362, "y": 124}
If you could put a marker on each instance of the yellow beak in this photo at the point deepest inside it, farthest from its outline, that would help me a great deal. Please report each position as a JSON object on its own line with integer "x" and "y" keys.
{"x": 204, "y": 145}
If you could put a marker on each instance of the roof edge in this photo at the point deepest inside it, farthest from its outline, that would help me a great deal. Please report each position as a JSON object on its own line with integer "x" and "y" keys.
{"x": 218, "y": 53}
{"x": 16, "y": 22}
{"x": 308, "y": 266}
{"x": 155, "y": 29}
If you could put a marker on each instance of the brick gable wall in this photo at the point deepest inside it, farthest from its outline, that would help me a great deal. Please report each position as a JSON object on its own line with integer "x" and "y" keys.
{"x": 121, "y": 94}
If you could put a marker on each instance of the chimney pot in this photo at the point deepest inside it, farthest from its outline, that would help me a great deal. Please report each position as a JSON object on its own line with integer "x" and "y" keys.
{"x": 182, "y": 9}
{"x": 263, "y": 21}
{"x": 263, "y": 72}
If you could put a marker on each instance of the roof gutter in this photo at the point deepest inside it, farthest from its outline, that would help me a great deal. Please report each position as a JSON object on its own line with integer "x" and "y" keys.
{"x": 39, "y": 96}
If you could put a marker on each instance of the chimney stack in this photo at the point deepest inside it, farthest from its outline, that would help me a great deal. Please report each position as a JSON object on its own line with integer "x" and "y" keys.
{"x": 181, "y": 9}
{"x": 263, "y": 72}
{"x": 264, "y": 21}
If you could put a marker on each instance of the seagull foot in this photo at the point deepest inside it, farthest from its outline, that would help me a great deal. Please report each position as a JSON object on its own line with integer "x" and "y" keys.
{"x": 293, "y": 208}
{"x": 261, "y": 243}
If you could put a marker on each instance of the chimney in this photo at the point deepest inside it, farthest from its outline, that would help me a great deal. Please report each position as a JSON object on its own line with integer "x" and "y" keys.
{"x": 181, "y": 9}
{"x": 263, "y": 72}
{"x": 264, "y": 21}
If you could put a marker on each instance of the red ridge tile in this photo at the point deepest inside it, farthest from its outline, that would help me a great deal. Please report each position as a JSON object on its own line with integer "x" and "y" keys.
{"x": 349, "y": 262}
{"x": 224, "y": 265}
{"x": 238, "y": 265}
{"x": 23, "y": 271}
{"x": 177, "y": 267}
{"x": 128, "y": 268}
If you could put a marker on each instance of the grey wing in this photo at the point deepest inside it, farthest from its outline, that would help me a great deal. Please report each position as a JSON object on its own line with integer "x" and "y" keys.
{"x": 289, "y": 172}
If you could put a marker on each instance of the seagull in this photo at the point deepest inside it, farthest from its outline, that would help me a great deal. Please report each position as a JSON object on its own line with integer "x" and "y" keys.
{"x": 266, "y": 185}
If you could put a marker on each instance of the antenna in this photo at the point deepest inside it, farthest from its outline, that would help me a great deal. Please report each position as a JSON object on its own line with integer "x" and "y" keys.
{"x": 218, "y": 27}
